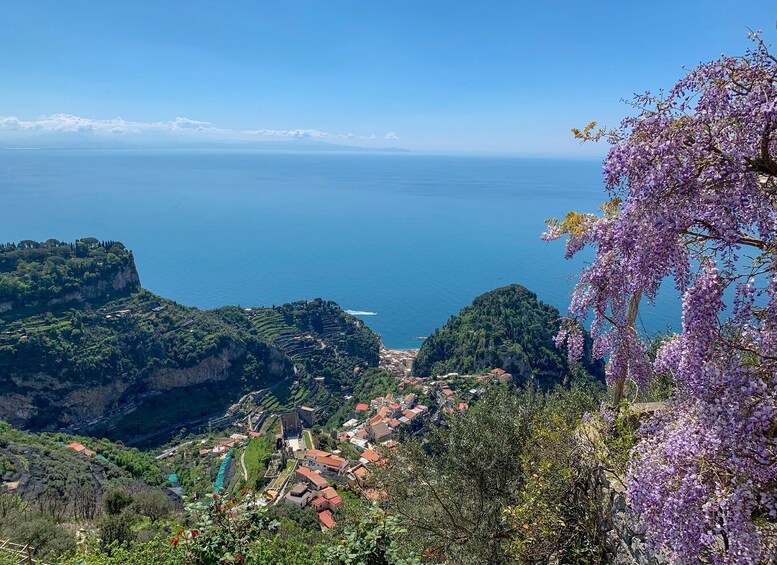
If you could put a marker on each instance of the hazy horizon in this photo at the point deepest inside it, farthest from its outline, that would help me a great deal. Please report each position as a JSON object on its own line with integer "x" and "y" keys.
{"x": 505, "y": 79}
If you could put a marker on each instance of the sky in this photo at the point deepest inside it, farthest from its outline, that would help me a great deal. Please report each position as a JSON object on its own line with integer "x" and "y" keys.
{"x": 468, "y": 77}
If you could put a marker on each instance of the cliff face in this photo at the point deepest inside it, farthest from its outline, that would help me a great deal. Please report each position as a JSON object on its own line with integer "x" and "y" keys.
{"x": 41, "y": 277}
{"x": 96, "y": 354}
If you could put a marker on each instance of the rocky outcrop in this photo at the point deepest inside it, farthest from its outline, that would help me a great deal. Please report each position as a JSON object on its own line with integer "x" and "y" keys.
{"x": 210, "y": 369}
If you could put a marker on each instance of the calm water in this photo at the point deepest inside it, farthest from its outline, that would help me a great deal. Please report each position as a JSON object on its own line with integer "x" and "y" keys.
{"x": 413, "y": 238}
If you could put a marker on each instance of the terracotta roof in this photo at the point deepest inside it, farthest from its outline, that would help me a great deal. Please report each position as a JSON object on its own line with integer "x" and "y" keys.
{"x": 76, "y": 446}
{"x": 319, "y": 502}
{"x": 326, "y": 518}
{"x": 331, "y": 461}
{"x": 317, "y": 480}
{"x": 361, "y": 472}
{"x": 394, "y": 406}
{"x": 410, "y": 414}
{"x": 336, "y": 501}
{"x": 371, "y": 456}
{"x": 362, "y": 407}
{"x": 313, "y": 453}
{"x": 394, "y": 422}
{"x": 374, "y": 420}
{"x": 329, "y": 492}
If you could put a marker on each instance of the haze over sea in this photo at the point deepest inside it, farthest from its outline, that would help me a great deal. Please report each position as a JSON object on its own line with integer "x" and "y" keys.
{"x": 411, "y": 237}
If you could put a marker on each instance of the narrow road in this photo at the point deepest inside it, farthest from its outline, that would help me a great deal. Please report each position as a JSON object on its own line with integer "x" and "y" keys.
{"x": 243, "y": 465}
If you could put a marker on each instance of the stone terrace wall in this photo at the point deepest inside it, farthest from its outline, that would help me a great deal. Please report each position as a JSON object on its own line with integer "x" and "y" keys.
{"x": 625, "y": 541}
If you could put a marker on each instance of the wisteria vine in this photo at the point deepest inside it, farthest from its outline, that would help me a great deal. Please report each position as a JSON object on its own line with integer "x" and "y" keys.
{"x": 692, "y": 181}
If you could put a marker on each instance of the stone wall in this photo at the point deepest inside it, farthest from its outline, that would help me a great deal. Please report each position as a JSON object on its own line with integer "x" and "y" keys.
{"x": 625, "y": 541}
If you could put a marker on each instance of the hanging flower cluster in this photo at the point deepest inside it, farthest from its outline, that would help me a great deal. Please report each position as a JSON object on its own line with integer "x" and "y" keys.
{"x": 693, "y": 185}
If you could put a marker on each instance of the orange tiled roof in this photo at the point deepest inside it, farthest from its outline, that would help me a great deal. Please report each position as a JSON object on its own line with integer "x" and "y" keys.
{"x": 362, "y": 407}
{"x": 329, "y": 492}
{"x": 315, "y": 478}
{"x": 326, "y": 518}
{"x": 371, "y": 456}
{"x": 330, "y": 461}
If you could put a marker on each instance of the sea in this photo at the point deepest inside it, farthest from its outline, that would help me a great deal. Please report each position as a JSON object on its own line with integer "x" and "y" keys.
{"x": 402, "y": 240}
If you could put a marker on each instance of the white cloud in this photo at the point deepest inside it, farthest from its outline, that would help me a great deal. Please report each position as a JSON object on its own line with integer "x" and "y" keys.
{"x": 391, "y": 135}
{"x": 69, "y": 123}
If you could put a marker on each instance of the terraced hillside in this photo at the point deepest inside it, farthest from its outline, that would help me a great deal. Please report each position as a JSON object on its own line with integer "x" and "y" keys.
{"x": 140, "y": 364}
{"x": 44, "y": 471}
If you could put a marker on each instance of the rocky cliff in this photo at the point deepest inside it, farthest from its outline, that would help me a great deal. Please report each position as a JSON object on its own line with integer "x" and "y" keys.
{"x": 75, "y": 356}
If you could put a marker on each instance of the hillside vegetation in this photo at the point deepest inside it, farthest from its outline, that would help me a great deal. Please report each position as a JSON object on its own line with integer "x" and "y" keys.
{"x": 52, "y": 274}
{"x": 506, "y": 328}
{"x": 139, "y": 363}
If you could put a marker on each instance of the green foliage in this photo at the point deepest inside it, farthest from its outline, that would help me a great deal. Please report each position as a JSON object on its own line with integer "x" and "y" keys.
{"x": 116, "y": 530}
{"x": 258, "y": 453}
{"x": 153, "y": 504}
{"x": 373, "y": 541}
{"x": 511, "y": 450}
{"x": 453, "y": 488}
{"x": 37, "y": 275}
{"x": 157, "y": 551}
{"x": 115, "y": 501}
{"x": 507, "y": 328}
{"x": 555, "y": 516}
{"x": 619, "y": 433}
{"x": 131, "y": 340}
{"x": 224, "y": 532}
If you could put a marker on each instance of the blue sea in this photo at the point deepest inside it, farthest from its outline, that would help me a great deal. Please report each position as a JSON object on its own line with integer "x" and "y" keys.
{"x": 407, "y": 240}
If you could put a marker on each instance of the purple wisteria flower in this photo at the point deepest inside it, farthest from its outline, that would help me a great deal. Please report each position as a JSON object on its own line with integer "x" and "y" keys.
{"x": 692, "y": 181}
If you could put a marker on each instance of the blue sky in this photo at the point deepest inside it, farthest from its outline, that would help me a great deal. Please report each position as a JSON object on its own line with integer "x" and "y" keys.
{"x": 475, "y": 77}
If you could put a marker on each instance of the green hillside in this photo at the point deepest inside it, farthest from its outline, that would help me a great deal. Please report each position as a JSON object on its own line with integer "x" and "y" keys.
{"x": 507, "y": 328}
{"x": 125, "y": 366}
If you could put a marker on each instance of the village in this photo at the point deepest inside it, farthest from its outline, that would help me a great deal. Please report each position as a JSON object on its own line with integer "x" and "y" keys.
{"x": 304, "y": 474}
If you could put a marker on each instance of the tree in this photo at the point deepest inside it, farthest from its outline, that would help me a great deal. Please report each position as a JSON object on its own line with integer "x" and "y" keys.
{"x": 692, "y": 180}
{"x": 452, "y": 492}
{"x": 114, "y": 501}
{"x": 372, "y": 541}
{"x": 153, "y": 504}
{"x": 116, "y": 530}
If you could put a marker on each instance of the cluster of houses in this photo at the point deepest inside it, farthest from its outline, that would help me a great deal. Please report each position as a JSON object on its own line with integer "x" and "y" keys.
{"x": 386, "y": 414}
{"x": 318, "y": 474}
{"x": 223, "y": 446}
{"x": 312, "y": 487}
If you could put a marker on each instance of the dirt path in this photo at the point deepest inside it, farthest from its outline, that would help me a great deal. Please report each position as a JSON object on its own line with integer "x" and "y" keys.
{"x": 243, "y": 465}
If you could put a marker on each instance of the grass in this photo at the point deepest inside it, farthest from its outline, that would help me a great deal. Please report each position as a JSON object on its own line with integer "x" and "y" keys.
{"x": 308, "y": 439}
{"x": 257, "y": 455}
